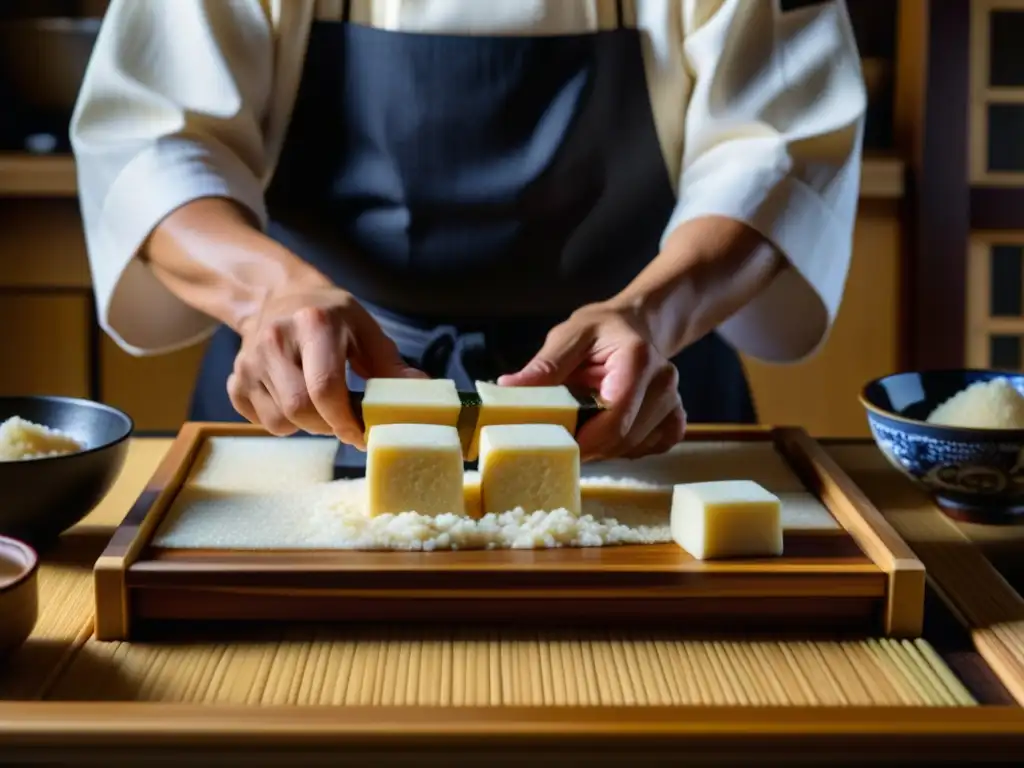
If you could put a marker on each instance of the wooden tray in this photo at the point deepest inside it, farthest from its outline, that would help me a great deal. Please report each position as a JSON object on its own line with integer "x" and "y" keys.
{"x": 862, "y": 577}
{"x": 99, "y": 733}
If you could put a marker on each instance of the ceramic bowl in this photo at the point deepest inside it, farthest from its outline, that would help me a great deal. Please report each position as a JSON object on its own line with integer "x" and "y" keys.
{"x": 44, "y": 497}
{"x": 19, "y": 593}
{"x": 974, "y": 474}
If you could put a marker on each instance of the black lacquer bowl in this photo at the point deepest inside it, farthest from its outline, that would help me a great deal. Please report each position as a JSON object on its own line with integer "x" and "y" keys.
{"x": 41, "y": 498}
{"x": 974, "y": 474}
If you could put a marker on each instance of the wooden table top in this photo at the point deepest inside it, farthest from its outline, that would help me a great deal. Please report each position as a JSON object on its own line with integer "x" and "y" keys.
{"x": 61, "y": 661}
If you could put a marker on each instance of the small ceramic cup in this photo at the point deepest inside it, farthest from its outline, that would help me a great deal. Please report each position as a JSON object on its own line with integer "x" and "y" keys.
{"x": 19, "y": 593}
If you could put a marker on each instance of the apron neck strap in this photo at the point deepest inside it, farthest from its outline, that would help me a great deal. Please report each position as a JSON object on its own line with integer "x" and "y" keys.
{"x": 620, "y": 15}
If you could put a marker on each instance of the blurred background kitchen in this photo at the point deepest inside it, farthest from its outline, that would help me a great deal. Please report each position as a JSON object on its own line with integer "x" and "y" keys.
{"x": 937, "y": 276}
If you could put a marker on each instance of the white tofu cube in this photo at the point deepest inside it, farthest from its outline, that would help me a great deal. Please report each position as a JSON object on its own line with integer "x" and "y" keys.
{"x": 414, "y": 468}
{"x": 726, "y": 519}
{"x": 411, "y": 401}
{"x": 523, "y": 405}
{"x": 533, "y": 466}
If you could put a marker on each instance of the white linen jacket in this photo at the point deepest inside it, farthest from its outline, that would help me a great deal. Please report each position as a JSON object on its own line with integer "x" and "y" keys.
{"x": 759, "y": 113}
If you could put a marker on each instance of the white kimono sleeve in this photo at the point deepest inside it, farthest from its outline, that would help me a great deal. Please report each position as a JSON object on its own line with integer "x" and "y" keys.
{"x": 170, "y": 111}
{"x": 773, "y": 139}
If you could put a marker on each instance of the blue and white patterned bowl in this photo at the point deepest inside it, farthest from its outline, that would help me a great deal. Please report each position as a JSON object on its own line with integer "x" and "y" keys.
{"x": 975, "y": 474}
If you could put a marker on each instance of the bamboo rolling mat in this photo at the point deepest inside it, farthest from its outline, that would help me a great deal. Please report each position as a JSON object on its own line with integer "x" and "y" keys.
{"x": 493, "y": 668}
{"x": 973, "y": 586}
{"x": 56, "y": 634}
{"x": 61, "y": 662}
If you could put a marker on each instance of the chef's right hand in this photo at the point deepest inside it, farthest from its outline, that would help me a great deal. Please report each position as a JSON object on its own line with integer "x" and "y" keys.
{"x": 290, "y": 372}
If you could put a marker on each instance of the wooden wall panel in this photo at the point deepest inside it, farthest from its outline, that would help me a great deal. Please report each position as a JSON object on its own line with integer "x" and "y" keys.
{"x": 821, "y": 394}
{"x": 44, "y": 349}
{"x": 154, "y": 391}
{"x": 940, "y": 195}
{"x": 42, "y": 245}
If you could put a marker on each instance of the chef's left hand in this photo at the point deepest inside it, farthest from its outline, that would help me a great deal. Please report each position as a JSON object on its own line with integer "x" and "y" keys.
{"x": 607, "y": 349}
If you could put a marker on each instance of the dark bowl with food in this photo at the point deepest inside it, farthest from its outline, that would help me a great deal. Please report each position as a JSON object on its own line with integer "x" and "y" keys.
{"x": 975, "y": 474}
{"x": 44, "y": 496}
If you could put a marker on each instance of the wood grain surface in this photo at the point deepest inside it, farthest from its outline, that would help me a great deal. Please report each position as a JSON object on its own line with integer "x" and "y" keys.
{"x": 98, "y": 720}
{"x": 973, "y": 587}
{"x": 820, "y": 581}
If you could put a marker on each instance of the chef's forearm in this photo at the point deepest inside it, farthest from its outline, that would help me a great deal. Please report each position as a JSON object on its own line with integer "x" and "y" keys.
{"x": 212, "y": 256}
{"x": 708, "y": 270}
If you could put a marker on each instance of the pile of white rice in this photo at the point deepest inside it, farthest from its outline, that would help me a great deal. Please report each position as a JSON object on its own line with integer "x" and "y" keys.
{"x": 268, "y": 493}
{"x": 21, "y": 439}
{"x": 993, "y": 404}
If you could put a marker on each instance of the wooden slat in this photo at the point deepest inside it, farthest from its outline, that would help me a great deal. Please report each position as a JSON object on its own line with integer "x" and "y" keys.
{"x": 972, "y": 586}
{"x": 112, "y": 614}
{"x": 37, "y": 175}
{"x": 450, "y": 667}
{"x": 935, "y": 270}
{"x": 506, "y": 736}
{"x": 882, "y": 176}
{"x": 869, "y": 528}
{"x": 910, "y": 79}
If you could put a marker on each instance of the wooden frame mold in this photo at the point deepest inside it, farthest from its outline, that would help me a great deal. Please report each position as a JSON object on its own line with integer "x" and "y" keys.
{"x": 865, "y": 580}
{"x": 122, "y": 733}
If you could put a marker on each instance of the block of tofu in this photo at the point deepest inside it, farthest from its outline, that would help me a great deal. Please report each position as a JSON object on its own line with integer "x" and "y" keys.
{"x": 471, "y": 491}
{"x": 411, "y": 401}
{"x": 726, "y": 519}
{"x": 414, "y": 468}
{"x": 533, "y": 466}
{"x": 523, "y": 405}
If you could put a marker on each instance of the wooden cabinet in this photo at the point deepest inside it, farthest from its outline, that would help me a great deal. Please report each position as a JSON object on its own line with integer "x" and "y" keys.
{"x": 45, "y": 300}
{"x": 44, "y": 347}
{"x": 155, "y": 391}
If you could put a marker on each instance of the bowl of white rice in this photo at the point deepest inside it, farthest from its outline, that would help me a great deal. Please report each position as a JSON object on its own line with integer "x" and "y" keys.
{"x": 58, "y": 458}
{"x": 957, "y": 433}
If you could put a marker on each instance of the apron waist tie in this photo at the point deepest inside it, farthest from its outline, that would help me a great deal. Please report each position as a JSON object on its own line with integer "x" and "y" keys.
{"x": 443, "y": 352}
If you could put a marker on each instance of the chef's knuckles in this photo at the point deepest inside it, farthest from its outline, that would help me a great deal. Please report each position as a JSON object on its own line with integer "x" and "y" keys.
{"x": 647, "y": 418}
{"x": 290, "y": 371}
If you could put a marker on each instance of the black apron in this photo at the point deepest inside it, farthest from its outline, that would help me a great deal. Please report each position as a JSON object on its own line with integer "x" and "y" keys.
{"x": 472, "y": 192}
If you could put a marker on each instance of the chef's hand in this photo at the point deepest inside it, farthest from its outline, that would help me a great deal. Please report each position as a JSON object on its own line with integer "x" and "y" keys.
{"x": 290, "y": 371}
{"x": 606, "y": 348}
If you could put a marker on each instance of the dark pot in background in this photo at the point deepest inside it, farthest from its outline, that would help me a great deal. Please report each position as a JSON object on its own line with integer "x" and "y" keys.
{"x": 42, "y": 63}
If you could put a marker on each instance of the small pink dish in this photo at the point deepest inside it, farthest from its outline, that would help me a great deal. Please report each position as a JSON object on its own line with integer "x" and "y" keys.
{"x": 19, "y": 593}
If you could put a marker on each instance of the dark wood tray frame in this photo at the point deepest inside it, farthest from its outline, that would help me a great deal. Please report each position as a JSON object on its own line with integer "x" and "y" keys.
{"x": 124, "y": 733}
{"x": 863, "y": 577}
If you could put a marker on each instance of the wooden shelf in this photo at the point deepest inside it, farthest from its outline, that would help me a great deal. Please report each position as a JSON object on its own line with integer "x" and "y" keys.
{"x": 882, "y": 177}
{"x": 23, "y": 175}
